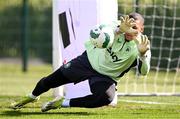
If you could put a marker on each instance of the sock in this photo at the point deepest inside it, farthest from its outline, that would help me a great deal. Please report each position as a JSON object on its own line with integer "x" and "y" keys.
{"x": 32, "y": 96}
{"x": 66, "y": 103}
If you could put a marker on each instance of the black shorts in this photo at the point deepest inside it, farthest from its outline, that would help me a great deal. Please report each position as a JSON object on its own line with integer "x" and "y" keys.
{"x": 79, "y": 69}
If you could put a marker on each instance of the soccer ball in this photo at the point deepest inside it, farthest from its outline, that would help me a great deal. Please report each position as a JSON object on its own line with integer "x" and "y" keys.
{"x": 102, "y": 36}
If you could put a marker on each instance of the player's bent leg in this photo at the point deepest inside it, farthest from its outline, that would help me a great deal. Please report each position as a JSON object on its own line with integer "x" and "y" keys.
{"x": 54, "y": 104}
{"x": 25, "y": 100}
{"x": 52, "y": 81}
{"x": 102, "y": 94}
{"x": 107, "y": 97}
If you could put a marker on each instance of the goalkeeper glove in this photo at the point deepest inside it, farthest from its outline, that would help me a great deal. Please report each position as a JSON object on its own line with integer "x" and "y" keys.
{"x": 127, "y": 24}
{"x": 143, "y": 44}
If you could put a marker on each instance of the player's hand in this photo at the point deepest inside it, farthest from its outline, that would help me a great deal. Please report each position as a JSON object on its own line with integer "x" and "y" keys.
{"x": 143, "y": 44}
{"x": 127, "y": 24}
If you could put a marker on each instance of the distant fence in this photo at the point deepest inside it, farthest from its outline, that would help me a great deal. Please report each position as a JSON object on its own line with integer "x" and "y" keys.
{"x": 39, "y": 28}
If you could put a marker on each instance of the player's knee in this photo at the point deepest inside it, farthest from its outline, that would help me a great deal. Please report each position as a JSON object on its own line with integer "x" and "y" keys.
{"x": 110, "y": 92}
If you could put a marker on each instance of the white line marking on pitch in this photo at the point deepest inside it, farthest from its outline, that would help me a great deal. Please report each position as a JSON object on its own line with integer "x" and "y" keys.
{"x": 147, "y": 102}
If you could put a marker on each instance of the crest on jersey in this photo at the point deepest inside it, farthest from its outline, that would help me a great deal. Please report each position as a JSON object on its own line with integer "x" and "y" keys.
{"x": 128, "y": 49}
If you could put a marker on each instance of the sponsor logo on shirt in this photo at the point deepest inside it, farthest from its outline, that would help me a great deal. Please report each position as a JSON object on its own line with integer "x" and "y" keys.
{"x": 113, "y": 55}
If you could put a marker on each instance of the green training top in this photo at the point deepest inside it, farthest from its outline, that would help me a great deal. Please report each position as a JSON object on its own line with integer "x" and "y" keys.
{"x": 118, "y": 58}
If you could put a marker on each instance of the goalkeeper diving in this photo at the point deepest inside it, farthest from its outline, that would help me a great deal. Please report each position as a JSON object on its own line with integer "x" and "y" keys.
{"x": 103, "y": 63}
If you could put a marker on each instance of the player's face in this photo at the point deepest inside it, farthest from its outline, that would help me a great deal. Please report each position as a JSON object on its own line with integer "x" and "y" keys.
{"x": 139, "y": 27}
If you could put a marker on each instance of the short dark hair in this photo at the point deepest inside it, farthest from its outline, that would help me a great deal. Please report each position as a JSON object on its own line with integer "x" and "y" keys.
{"x": 136, "y": 16}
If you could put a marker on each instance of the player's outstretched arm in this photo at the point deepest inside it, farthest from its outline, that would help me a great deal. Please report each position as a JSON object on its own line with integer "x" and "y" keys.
{"x": 143, "y": 45}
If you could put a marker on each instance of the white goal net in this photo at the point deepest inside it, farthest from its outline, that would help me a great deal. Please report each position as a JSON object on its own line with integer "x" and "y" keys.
{"x": 162, "y": 26}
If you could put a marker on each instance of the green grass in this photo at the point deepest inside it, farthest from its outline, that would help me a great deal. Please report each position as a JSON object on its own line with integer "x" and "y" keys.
{"x": 14, "y": 84}
{"x": 121, "y": 111}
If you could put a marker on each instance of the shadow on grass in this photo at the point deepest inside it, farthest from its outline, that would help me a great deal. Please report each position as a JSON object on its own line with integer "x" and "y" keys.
{"x": 20, "y": 113}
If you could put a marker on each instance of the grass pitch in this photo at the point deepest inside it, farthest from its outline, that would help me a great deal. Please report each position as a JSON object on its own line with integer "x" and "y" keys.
{"x": 14, "y": 84}
{"x": 123, "y": 110}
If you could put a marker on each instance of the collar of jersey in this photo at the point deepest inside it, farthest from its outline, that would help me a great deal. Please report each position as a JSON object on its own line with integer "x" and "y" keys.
{"x": 120, "y": 41}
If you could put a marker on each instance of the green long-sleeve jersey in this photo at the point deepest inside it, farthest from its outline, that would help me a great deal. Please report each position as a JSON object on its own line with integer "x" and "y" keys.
{"x": 116, "y": 60}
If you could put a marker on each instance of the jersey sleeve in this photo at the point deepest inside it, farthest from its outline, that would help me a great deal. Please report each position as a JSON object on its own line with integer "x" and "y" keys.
{"x": 144, "y": 63}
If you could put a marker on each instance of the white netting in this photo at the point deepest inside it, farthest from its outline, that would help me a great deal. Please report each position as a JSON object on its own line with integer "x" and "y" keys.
{"x": 162, "y": 25}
